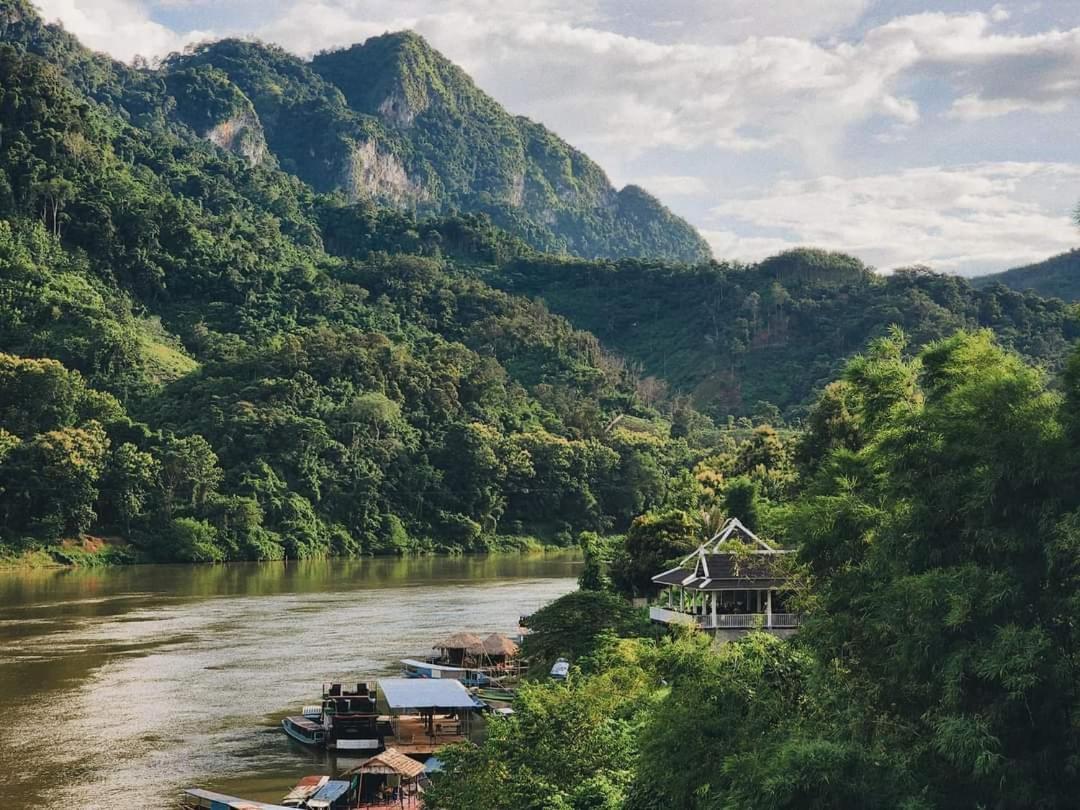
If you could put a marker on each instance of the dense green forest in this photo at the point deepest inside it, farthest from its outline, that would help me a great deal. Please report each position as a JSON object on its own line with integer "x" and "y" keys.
{"x": 933, "y": 507}
{"x": 235, "y": 391}
{"x": 391, "y": 122}
{"x": 212, "y": 360}
{"x": 735, "y": 337}
{"x": 1057, "y": 277}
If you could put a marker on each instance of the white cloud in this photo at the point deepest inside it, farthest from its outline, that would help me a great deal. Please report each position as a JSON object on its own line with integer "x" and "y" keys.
{"x": 121, "y": 28}
{"x": 965, "y": 219}
{"x": 673, "y": 185}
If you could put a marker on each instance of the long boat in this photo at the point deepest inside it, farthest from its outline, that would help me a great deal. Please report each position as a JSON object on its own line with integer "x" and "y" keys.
{"x": 415, "y": 668}
{"x": 304, "y": 730}
{"x": 199, "y": 799}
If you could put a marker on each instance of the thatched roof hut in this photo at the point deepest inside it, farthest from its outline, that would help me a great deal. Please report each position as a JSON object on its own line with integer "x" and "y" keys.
{"x": 469, "y": 642}
{"x": 390, "y": 761}
{"x": 499, "y": 646}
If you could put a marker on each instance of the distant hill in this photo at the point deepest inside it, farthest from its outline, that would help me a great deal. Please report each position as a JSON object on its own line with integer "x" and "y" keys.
{"x": 1057, "y": 277}
{"x": 733, "y": 336}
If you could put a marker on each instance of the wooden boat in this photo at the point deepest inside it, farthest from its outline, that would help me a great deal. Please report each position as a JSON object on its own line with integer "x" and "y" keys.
{"x": 489, "y": 694}
{"x": 304, "y": 790}
{"x": 305, "y": 730}
{"x": 198, "y": 799}
{"x": 470, "y": 676}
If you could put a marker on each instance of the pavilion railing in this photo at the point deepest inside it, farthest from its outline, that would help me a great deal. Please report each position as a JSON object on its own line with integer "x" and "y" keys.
{"x": 734, "y": 621}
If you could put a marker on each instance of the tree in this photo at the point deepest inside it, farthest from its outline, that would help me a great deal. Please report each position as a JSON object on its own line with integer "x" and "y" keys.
{"x": 593, "y": 576}
{"x": 189, "y": 471}
{"x": 131, "y": 477}
{"x": 944, "y": 560}
{"x": 572, "y": 626}
{"x": 653, "y": 542}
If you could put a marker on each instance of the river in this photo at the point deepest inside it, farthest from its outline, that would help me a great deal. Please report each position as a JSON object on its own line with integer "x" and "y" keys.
{"x": 120, "y": 686}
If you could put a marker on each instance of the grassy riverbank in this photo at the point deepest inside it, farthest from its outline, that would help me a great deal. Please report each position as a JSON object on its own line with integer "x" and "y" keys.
{"x": 93, "y": 552}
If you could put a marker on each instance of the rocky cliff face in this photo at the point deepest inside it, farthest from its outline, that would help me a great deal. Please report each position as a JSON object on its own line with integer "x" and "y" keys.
{"x": 395, "y": 122}
{"x": 241, "y": 135}
{"x": 376, "y": 174}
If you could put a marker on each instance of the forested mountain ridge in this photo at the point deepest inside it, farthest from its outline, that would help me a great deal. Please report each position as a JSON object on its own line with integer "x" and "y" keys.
{"x": 1057, "y": 277}
{"x": 397, "y": 123}
{"x": 185, "y": 365}
{"x": 215, "y": 361}
{"x": 737, "y": 337}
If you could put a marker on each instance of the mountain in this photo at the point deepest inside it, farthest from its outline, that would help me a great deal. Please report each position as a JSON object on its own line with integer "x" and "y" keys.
{"x": 736, "y": 338}
{"x": 184, "y": 365}
{"x": 1057, "y": 277}
{"x": 393, "y": 121}
{"x": 204, "y": 355}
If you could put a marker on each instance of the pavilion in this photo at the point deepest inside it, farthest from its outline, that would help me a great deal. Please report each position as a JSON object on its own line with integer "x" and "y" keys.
{"x": 732, "y": 584}
{"x": 426, "y": 713}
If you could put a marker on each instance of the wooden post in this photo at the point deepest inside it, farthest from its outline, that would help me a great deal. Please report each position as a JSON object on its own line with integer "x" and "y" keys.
{"x": 714, "y": 595}
{"x": 768, "y": 608}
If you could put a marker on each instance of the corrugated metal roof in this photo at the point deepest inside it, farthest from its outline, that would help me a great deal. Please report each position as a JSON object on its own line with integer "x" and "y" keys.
{"x": 425, "y": 693}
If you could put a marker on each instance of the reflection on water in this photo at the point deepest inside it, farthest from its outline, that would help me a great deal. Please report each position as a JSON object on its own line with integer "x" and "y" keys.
{"x": 120, "y": 686}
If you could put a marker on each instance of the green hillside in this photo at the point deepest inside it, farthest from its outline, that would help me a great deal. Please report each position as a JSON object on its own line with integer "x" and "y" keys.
{"x": 734, "y": 336}
{"x": 185, "y": 365}
{"x": 1057, "y": 277}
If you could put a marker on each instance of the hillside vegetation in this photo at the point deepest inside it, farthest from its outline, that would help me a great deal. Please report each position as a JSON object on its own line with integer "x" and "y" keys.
{"x": 185, "y": 364}
{"x": 203, "y": 354}
{"x": 735, "y": 337}
{"x": 1056, "y": 277}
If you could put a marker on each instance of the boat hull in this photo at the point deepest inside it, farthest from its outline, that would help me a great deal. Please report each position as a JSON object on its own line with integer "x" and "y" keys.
{"x": 300, "y": 729}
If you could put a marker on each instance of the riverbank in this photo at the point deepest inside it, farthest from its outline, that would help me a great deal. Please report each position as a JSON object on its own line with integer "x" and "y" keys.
{"x": 95, "y": 552}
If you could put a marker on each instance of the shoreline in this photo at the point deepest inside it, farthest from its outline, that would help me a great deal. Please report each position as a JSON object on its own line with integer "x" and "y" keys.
{"x": 58, "y": 558}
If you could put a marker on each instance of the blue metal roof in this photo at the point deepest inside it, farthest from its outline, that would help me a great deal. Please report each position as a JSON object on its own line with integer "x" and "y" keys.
{"x": 330, "y": 792}
{"x": 425, "y": 693}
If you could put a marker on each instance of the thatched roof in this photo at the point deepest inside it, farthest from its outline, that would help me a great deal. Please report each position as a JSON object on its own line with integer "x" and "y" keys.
{"x": 498, "y": 644}
{"x": 462, "y": 641}
{"x": 389, "y": 761}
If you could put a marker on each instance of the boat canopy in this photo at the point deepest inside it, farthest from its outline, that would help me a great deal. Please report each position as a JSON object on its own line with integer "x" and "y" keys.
{"x": 425, "y": 693}
{"x": 328, "y": 794}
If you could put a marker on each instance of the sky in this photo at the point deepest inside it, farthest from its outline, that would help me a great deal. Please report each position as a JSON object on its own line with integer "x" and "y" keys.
{"x": 904, "y": 132}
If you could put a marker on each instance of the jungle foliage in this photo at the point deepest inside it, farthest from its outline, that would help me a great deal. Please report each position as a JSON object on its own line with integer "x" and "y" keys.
{"x": 936, "y": 529}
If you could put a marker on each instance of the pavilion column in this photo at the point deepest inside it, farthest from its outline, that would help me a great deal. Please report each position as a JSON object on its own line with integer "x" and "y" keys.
{"x": 669, "y": 603}
{"x": 714, "y": 595}
{"x": 682, "y": 599}
{"x": 768, "y": 608}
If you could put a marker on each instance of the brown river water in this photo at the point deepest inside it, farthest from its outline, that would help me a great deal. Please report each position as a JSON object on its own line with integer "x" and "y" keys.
{"x": 120, "y": 686}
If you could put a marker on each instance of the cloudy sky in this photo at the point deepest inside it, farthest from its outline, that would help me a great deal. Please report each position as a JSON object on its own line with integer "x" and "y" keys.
{"x": 903, "y": 131}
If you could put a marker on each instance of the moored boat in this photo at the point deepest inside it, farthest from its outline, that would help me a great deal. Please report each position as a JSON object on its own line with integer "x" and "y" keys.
{"x": 305, "y": 730}
{"x": 334, "y": 795}
{"x": 199, "y": 799}
{"x": 470, "y": 676}
{"x": 304, "y": 790}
